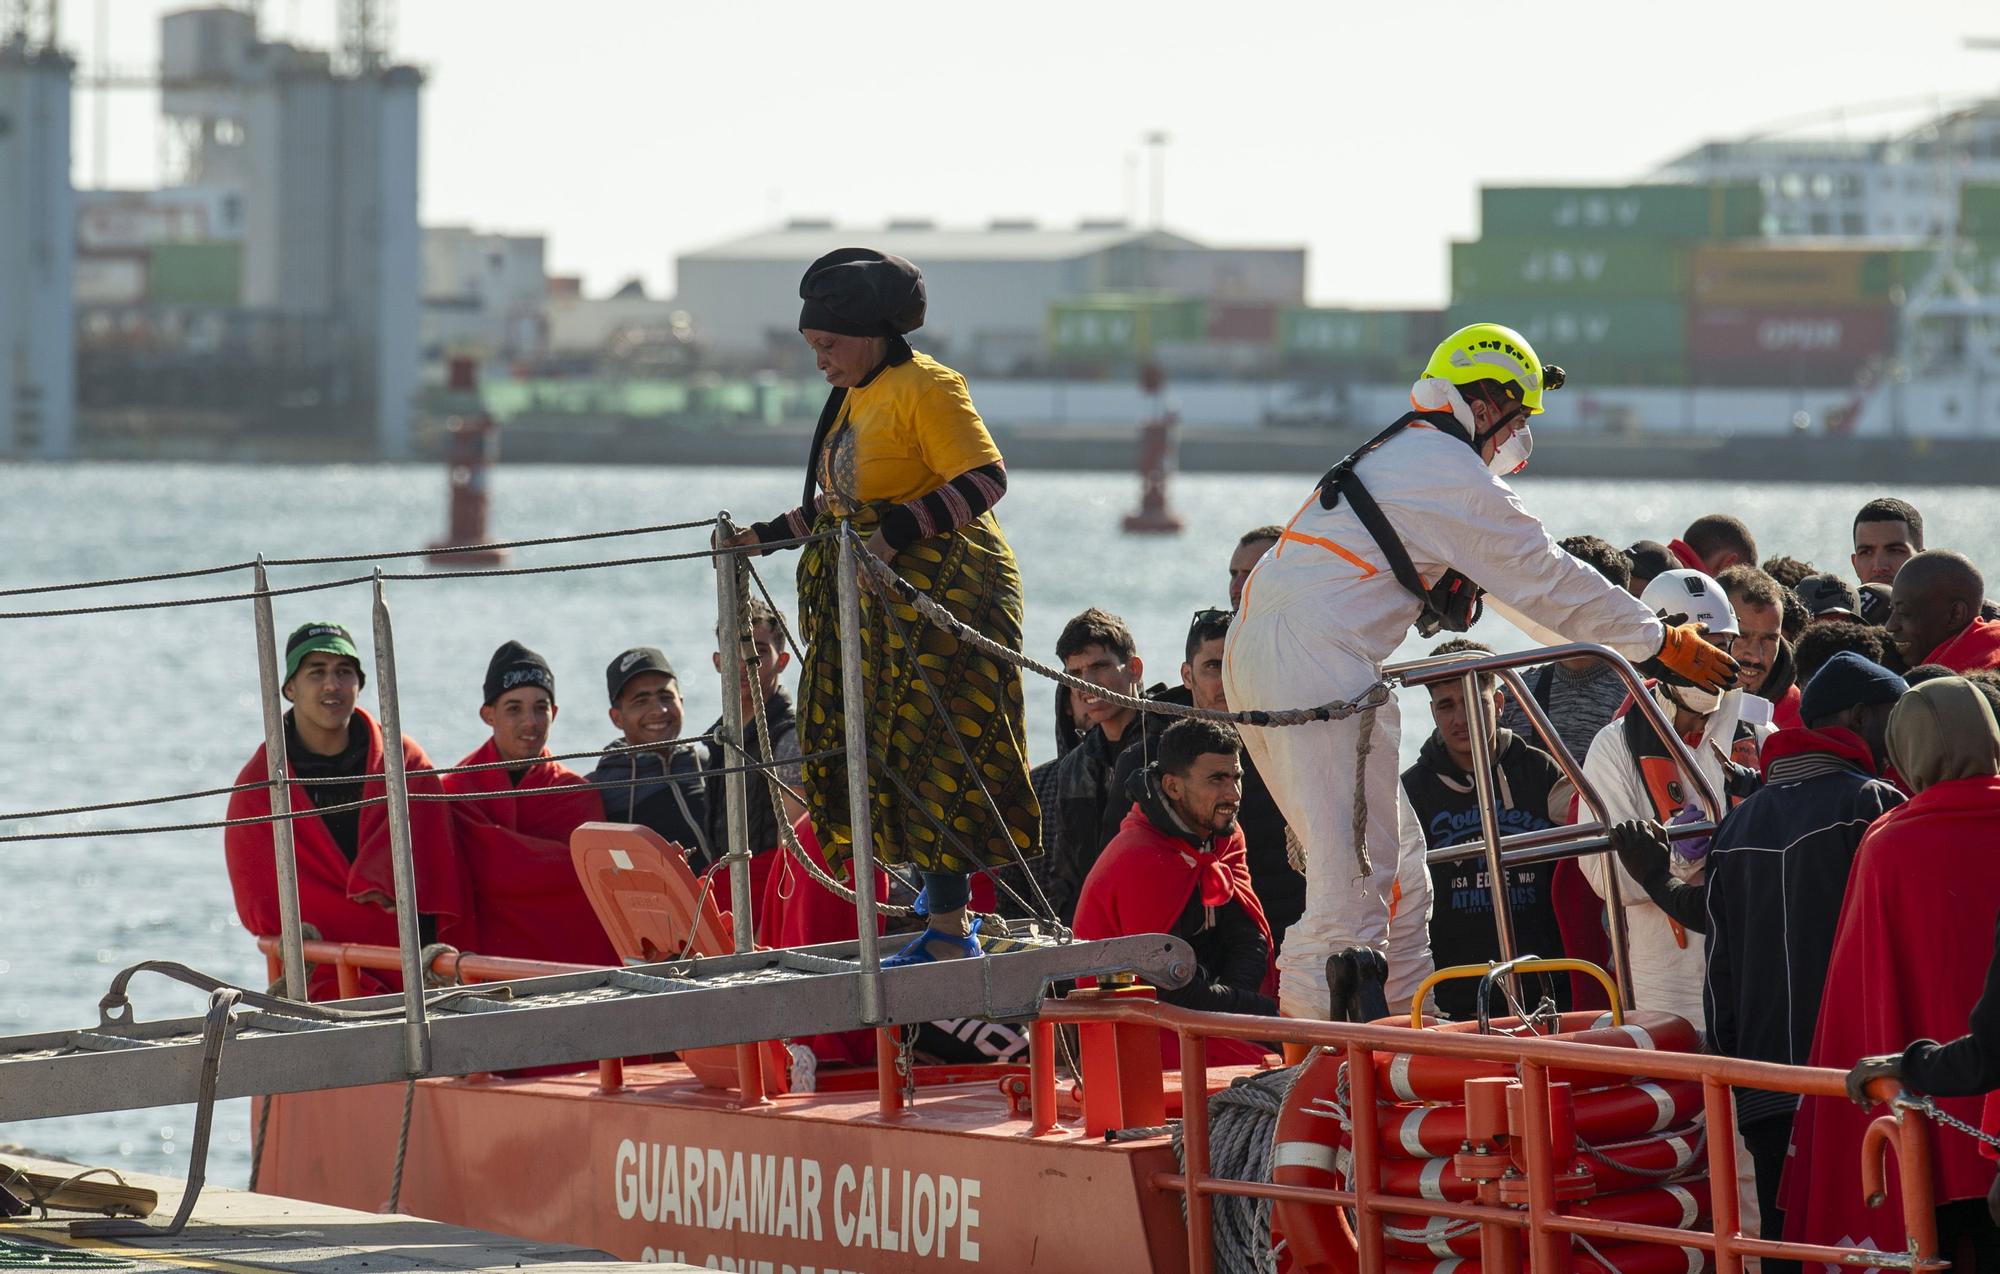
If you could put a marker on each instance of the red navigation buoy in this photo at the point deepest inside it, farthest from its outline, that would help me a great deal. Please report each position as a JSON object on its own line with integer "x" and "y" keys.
{"x": 472, "y": 447}
{"x": 1158, "y": 457}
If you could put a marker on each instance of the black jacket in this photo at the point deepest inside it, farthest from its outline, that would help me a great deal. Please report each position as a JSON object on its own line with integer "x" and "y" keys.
{"x": 1447, "y": 807}
{"x": 1230, "y": 953}
{"x": 662, "y": 791}
{"x": 763, "y": 822}
{"x": 1083, "y": 791}
{"x": 1279, "y": 885}
{"x": 1776, "y": 877}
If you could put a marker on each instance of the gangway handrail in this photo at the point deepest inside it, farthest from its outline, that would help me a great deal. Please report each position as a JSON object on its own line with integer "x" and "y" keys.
{"x": 1551, "y": 844}
{"x": 1548, "y": 1229}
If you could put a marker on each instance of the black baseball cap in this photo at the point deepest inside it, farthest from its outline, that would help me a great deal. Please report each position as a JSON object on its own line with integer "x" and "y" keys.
{"x": 633, "y": 662}
{"x": 1828, "y": 594}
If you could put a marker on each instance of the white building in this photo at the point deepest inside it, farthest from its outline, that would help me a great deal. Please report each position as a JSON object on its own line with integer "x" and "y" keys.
{"x": 484, "y": 294}
{"x": 989, "y": 288}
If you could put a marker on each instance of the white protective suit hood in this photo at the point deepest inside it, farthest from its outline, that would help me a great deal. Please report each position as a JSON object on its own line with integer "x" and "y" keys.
{"x": 1434, "y": 393}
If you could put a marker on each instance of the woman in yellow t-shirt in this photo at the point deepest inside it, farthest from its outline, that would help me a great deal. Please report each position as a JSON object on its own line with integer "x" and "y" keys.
{"x": 901, "y": 455}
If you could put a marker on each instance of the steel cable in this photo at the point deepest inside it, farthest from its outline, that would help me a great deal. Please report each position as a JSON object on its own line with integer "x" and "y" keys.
{"x": 200, "y": 571}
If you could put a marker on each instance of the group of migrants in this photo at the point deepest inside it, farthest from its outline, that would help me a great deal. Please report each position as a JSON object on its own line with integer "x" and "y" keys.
{"x": 1847, "y": 729}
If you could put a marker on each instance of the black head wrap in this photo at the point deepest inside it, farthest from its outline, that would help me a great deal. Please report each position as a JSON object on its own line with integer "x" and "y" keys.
{"x": 862, "y": 292}
{"x": 858, "y": 292}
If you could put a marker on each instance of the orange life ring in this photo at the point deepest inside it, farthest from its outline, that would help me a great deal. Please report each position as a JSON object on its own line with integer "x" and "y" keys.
{"x": 1413, "y": 1131}
{"x": 1416, "y": 1077}
{"x": 1303, "y": 1151}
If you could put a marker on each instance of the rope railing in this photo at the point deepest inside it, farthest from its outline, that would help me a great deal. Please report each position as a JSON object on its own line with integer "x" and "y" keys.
{"x": 343, "y": 808}
{"x": 391, "y": 555}
{"x": 935, "y": 613}
{"x": 408, "y": 577}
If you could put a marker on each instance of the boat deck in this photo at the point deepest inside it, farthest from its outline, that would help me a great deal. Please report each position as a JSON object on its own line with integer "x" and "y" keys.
{"x": 234, "y": 1230}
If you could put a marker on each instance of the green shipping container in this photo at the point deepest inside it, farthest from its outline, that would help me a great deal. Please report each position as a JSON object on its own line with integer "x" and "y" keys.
{"x": 1733, "y": 210}
{"x": 1111, "y": 325}
{"x": 1338, "y": 335}
{"x": 1979, "y": 211}
{"x": 1579, "y": 267}
{"x": 195, "y": 274}
{"x": 1640, "y": 334}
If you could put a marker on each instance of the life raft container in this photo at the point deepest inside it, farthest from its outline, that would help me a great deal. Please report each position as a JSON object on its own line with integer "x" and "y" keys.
{"x": 1675, "y": 1205}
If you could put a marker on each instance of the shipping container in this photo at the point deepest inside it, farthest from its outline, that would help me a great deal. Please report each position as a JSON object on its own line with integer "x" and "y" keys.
{"x": 1787, "y": 345}
{"x": 1124, "y": 324}
{"x": 1979, "y": 210}
{"x": 1723, "y": 210}
{"x": 1341, "y": 334}
{"x": 196, "y": 274}
{"x": 1581, "y": 267}
{"x": 1804, "y": 274}
{"x": 1236, "y": 322}
{"x": 1646, "y": 334}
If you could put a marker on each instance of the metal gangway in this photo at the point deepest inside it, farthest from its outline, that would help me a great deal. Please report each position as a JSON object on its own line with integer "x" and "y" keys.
{"x": 281, "y": 1043}
{"x": 278, "y": 1043}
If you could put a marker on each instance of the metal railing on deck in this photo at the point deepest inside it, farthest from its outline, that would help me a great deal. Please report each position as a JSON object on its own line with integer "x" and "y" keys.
{"x": 1563, "y": 841}
{"x": 1544, "y": 1226}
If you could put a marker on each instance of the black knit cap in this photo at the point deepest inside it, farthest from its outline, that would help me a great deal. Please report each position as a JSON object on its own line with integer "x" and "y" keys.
{"x": 862, "y": 292}
{"x": 514, "y": 666}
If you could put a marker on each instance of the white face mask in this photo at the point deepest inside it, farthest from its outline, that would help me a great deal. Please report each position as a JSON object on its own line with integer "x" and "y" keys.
{"x": 1511, "y": 456}
{"x": 1700, "y": 702}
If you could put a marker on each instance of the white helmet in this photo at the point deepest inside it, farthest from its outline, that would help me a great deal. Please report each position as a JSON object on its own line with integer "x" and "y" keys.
{"x": 1693, "y": 594}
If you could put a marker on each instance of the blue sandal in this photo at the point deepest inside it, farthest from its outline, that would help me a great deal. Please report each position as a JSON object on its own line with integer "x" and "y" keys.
{"x": 918, "y": 951}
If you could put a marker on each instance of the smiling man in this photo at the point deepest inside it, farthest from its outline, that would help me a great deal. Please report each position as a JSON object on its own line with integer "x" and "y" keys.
{"x": 346, "y": 879}
{"x": 516, "y": 841}
{"x": 648, "y": 775}
{"x": 1887, "y": 533}
{"x": 1766, "y": 663}
{"x": 1934, "y": 614}
{"x": 1177, "y": 866}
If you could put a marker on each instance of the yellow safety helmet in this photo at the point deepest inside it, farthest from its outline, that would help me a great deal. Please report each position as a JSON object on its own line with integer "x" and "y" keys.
{"x": 1488, "y": 351}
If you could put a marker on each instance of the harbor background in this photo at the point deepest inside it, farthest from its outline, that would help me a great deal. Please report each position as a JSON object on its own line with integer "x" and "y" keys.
{"x": 140, "y": 704}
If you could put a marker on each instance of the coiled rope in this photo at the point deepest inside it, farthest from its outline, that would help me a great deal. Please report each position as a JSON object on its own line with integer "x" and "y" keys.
{"x": 1242, "y": 1127}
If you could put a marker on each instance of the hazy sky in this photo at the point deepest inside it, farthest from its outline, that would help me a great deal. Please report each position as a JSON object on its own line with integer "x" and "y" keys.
{"x": 630, "y": 130}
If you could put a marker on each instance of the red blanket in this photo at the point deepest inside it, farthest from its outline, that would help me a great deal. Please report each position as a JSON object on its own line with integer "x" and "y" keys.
{"x": 350, "y": 902}
{"x": 1142, "y": 882}
{"x": 515, "y": 845}
{"x": 1925, "y": 877}
{"x": 1976, "y": 646}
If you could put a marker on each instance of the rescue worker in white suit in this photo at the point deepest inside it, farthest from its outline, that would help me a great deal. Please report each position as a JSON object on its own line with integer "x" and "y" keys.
{"x": 1331, "y": 601}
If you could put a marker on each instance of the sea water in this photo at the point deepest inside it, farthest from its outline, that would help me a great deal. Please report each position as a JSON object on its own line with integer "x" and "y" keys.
{"x": 116, "y": 706}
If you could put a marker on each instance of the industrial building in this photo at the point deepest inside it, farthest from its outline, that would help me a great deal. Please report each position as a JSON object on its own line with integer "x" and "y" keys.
{"x": 991, "y": 288}
{"x": 485, "y": 294}
{"x": 266, "y": 299}
{"x": 37, "y": 245}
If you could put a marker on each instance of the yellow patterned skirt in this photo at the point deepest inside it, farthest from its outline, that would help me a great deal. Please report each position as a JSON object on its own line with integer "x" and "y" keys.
{"x": 928, "y": 810}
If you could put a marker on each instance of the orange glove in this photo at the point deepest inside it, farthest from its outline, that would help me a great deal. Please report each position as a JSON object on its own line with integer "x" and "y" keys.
{"x": 1686, "y": 652}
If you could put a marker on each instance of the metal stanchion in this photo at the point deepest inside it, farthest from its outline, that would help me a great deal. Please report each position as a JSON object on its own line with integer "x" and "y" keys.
{"x": 396, "y": 782}
{"x": 854, "y": 707}
{"x": 1474, "y": 706}
{"x": 730, "y": 638}
{"x": 291, "y": 940}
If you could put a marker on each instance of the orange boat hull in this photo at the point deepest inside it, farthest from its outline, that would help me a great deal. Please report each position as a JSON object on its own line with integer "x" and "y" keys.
{"x": 667, "y": 1170}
